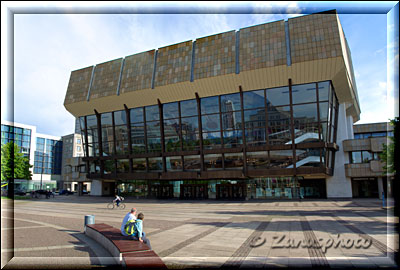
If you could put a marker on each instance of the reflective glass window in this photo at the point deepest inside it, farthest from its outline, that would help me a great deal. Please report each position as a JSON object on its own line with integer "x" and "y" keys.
{"x": 154, "y": 144}
{"x": 170, "y": 110}
{"x": 255, "y": 136}
{"x": 230, "y": 102}
{"x": 107, "y": 133}
{"x": 152, "y": 113}
{"x": 190, "y": 123}
{"x": 367, "y": 156}
{"x": 109, "y": 166}
{"x": 211, "y": 140}
{"x": 139, "y": 164}
{"x": 122, "y": 147}
{"x": 27, "y": 132}
{"x": 108, "y": 148}
{"x": 120, "y": 118}
{"x": 174, "y": 163}
{"x": 355, "y": 157}
{"x": 192, "y": 163}
{"x": 279, "y": 135}
{"x": 209, "y": 105}
{"x": 191, "y": 140}
{"x": 188, "y": 107}
{"x": 210, "y": 122}
{"x": 281, "y": 159}
{"x": 304, "y": 93}
{"x": 306, "y": 132}
{"x": 278, "y": 96}
{"x": 234, "y": 161}
{"x": 305, "y": 113}
{"x": 171, "y": 127}
{"x": 257, "y": 160}
{"x": 18, "y": 130}
{"x": 323, "y": 91}
{"x": 213, "y": 162}
{"x": 155, "y": 164}
{"x": 106, "y": 119}
{"x": 253, "y": 99}
{"x": 136, "y": 115}
{"x": 278, "y": 116}
{"x": 233, "y": 138}
{"x": 323, "y": 111}
{"x": 123, "y": 165}
{"x": 308, "y": 158}
{"x": 153, "y": 129}
{"x": 254, "y": 118}
{"x": 379, "y": 134}
{"x": 231, "y": 120}
{"x": 172, "y": 143}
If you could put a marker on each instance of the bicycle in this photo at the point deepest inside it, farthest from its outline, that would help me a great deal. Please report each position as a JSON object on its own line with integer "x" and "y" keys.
{"x": 113, "y": 205}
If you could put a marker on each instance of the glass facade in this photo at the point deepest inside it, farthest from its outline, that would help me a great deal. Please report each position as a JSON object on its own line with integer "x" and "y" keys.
{"x": 20, "y": 136}
{"x": 258, "y": 128}
{"x": 48, "y": 156}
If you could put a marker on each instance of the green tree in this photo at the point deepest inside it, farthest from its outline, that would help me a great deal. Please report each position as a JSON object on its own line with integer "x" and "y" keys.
{"x": 13, "y": 163}
{"x": 388, "y": 154}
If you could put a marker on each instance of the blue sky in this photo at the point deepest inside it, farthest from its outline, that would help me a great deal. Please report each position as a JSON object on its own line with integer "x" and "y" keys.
{"x": 47, "y": 47}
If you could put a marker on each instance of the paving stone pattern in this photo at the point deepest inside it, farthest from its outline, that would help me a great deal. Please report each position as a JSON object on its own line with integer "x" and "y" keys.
{"x": 206, "y": 233}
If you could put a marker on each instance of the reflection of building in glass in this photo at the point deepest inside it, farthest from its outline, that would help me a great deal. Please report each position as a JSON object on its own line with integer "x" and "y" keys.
{"x": 249, "y": 108}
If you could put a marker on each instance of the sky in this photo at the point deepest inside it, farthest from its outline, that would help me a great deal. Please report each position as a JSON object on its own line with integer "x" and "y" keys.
{"x": 47, "y": 47}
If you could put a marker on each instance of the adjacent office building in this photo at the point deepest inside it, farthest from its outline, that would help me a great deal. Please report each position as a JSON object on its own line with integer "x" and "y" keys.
{"x": 258, "y": 113}
{"x": 43, "y": 151}
{"x": 369, "y": 179}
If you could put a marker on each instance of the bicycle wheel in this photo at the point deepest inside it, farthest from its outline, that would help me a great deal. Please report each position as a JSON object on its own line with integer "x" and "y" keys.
{"x": 110, "y": 205}
{"x": 122, "y": 205}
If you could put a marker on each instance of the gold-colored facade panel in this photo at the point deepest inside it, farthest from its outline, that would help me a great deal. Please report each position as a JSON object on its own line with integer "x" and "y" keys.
{"x": 250, "y": 80}
{"x": 215, "y": 55}
{"x": 105, "y": 79}
{"x": 137, "y": 72}
{"x": 78, "y": 85}
{"x": 173, "y": 64}
{"x": 314, "y": 37}
{"x": 262, "y": 46}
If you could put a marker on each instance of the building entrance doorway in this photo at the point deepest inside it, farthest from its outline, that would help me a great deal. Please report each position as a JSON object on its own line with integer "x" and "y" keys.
{"x": 194, "y": 191}
{"x": 365, "y": 187}
{"x": 161, "y": 191}
{"x": 312, "y": 188}
{"x": 231, "y": 191}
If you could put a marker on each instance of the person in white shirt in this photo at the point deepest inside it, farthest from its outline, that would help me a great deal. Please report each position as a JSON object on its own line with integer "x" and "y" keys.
{"x": 128, "y": 217}
{"x": 117, "y": 199}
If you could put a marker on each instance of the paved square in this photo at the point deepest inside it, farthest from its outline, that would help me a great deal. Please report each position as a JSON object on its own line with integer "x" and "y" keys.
{"x": 245, "y": 234}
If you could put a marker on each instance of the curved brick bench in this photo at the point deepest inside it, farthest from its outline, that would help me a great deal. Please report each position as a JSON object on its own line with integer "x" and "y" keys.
{"x": 128, "y": 253}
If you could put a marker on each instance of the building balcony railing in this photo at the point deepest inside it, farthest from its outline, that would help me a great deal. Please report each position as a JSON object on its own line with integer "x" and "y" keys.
{"x": 373, "y": 168}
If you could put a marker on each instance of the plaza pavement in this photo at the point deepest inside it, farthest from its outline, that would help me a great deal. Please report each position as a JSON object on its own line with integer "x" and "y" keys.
{"x": 48, "y": 233}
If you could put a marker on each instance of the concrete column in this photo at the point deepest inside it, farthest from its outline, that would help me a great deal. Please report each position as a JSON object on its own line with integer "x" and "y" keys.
{"x": 80, "y": 188}
{"x": 338, "y": 185}
{"x": 380, "y": 187}
{"x": 96, "y": 188}
{"x": 350, "y": 132}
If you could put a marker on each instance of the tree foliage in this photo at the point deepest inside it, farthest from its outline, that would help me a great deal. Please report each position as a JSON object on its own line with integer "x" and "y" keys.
{"x": 388, "y": 154}
{"x": 14, "y": 165}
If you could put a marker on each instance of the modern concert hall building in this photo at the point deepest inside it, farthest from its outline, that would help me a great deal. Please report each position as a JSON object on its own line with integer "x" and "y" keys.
{"x": 258, "y": 113}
